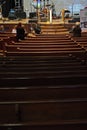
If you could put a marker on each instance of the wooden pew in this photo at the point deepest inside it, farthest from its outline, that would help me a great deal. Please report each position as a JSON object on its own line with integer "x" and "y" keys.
{"x": 43, "y": 111}
{"x": 51, "y": 35}
{"x": 30, "y": 93}
{"x": 42, "y": 46}
{"x": 47, "y": 38}
{"x": 7, "y": 113}
{"x": 41, "y": 43}
{"x": 28, "y": 67}
{"x": 74, "y": 125}
{"x": 42, "y": 78}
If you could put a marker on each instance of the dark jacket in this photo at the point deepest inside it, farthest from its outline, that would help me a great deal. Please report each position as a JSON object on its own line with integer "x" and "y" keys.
{"x": 37, "y": 30}
{"x": 77, "y": 31}
{"x": 20, "y": 33}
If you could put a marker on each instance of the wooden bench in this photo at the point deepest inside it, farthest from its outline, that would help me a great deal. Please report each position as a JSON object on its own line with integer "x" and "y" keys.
{"x": 69, "y": 125}
{"x": 30, "y": 93}
{"x": 43, "y": 111}
{"x": 42, "y": 78}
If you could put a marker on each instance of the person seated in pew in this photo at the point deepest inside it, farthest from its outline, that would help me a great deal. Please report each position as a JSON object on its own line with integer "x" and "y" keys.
{"x": 20, "y": 32}
{"x": 76, "y": 30}
{"x": 37, "y": 29}
{"x": 31, "y": 31}
{"x": 2, "y": 29}
{"x": 14, "y": 29}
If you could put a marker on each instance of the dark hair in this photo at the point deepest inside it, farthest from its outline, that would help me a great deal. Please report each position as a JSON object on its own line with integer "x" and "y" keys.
{"x": 19, "y": 24}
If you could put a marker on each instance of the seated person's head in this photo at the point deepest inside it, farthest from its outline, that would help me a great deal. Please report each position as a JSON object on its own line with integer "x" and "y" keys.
{"x": 1, "y": 28}
{"x": 19, "y": 24}
{"x": 77, "y": 23}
